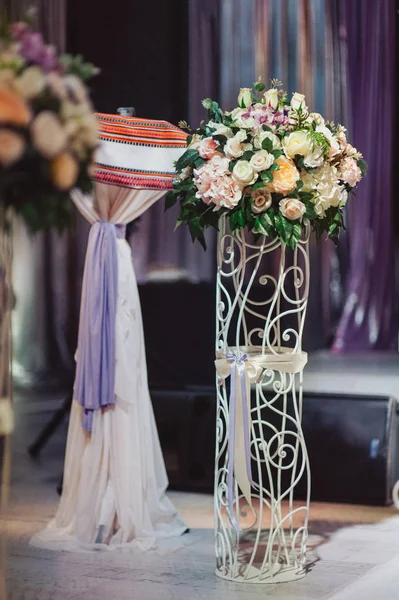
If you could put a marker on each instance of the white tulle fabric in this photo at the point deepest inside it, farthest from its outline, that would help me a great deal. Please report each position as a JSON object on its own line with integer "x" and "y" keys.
{"x": 115, "y": 479}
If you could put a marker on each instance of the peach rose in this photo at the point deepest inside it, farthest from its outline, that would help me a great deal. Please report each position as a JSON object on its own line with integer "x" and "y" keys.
{"x": 292, "y": 209}
{"x": 13, "y": 109}
{"x": 350, "y": 172}
{"x": 48, "y": 135}
{"x": 12, "y": 146}
{"x": 284, "y": 180}
{"x": 207, "y": 148}
{"x": 261, "y": 200}
{"x": 64, "y": 171}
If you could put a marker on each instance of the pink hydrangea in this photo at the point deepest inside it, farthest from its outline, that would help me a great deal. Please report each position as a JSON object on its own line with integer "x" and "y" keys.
{"x": 216, "y": 185}
{"x": 350, "y": 172}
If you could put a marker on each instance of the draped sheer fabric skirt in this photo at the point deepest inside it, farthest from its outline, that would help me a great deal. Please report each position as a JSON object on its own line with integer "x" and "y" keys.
{"x": 114, "y": 491}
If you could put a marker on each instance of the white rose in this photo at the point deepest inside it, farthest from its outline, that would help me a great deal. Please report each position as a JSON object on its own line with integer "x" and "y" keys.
{"x": 235, "y": 147}
{"x": 31, "y": 83}
{"x": 271, "y": 98}
{"x": 245, "y": 97}
{"x": 186, "y": 173}
{"x": 195, "y": 142}
{"x": 220, "y": 129}
{"x": 292, "y": 208}
{"x": 244, "y": 173}
{"x": 48, "y": 135}
{"x": 297, "y": 142}
{"x": 314, "y": 159}
{"x": 263, "y": 135}
{"x": 241, "y": 135}
{"x": 334, "y": 143}
{"x": 298, "y": 101}
{"x": 261, "y": 161}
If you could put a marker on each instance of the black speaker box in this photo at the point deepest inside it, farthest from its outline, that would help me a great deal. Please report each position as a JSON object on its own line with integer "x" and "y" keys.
{"x": 352, "y": 443}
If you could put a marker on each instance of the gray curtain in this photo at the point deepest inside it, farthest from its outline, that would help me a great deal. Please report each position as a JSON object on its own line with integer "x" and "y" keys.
{"x": 155, "y": 244}
{"x": 298, "y": 42}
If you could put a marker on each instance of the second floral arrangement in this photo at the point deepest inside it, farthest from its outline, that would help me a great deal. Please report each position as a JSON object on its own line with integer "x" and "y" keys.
{"x": 268, "y": 165}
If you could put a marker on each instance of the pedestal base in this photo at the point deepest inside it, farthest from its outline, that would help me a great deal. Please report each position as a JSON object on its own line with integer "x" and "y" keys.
{"x": 279, "y": 574}
{"x": 261, "y": 457}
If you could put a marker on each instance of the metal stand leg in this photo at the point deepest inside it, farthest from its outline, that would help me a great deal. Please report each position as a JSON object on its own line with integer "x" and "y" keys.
{"x": 48, "y": 430}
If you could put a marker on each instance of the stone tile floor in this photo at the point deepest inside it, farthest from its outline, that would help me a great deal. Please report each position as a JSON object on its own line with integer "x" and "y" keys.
{"x": 354, "y": 550}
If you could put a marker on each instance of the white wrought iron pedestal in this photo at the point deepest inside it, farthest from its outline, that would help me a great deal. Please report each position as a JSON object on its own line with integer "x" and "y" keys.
{"x": 261, "y": 530}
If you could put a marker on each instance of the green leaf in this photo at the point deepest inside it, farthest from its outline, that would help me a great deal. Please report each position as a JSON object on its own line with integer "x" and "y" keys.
{"x": 220, "y": 138}
{"x": 232, "y": 164}
{"x": 267, "y": 145}
{"x": 363, "y": 166}
{"x": 247, "y": 155}
{"x": 276, "y": 153}
{"x": 259, "y": 86}
{"x": 271, "y": 216}
{"x": 306, "y": 196}
{"x": 199, "y": 162}
{"x": 299, "y": 184}
{"x": 267, "y": 176}
{"x": 212, "y": 218}
{"x": 310, "y": 212}
{"x": 186, "y": 159}
{"x": 237, "y": 220}
{"x": 188, "y": 199}
{"x": 257, "y": 185}
{"x": 275, "y": 167}
{"x": 196, "y": 229}
{"x": 260, "y": 228}
{"x": 266, "y": 128}
{"x": 170, "y": 200}
{"x": 296, "y": 234}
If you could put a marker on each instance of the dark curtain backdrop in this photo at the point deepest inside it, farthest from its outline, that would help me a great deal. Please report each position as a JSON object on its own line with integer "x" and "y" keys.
{"x": 339, "y": 52}
{"x": 369, "y": 320}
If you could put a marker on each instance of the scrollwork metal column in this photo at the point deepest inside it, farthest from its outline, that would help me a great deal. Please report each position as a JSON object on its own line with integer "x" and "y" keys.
{"x": 262, "y": 294}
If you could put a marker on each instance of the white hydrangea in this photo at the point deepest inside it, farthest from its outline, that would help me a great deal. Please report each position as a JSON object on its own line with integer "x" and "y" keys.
{"x": 324, "y": 183}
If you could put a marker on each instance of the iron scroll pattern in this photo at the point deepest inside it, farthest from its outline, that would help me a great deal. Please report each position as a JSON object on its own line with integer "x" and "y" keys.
{"x": 270, "y": 545}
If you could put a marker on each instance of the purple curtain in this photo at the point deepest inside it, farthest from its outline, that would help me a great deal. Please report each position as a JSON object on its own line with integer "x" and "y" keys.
{"x": 368, "y": 321}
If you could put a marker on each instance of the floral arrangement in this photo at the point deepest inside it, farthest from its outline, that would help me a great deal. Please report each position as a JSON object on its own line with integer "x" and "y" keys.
{"x": 267, "y": 165}
{"x": 48, "y": 132}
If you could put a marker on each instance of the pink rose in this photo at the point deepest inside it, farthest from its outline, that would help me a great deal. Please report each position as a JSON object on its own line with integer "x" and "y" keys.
{"x": 292, "y": 209}
{"x": 350, "y": 172}
{"x": 207, "y": 148}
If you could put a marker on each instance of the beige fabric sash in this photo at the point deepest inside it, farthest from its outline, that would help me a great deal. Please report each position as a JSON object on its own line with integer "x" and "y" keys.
{"x": 252, "y": 370}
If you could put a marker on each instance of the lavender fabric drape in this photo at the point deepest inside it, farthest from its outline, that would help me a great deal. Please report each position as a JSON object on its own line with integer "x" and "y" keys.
{"x": 95, "y": 365}
{"x": 368, "y": 320}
